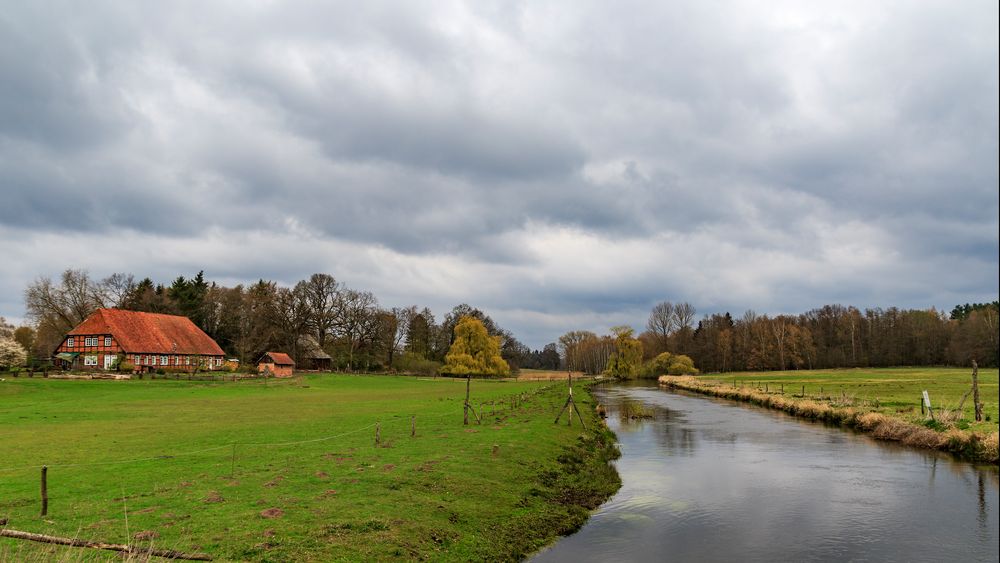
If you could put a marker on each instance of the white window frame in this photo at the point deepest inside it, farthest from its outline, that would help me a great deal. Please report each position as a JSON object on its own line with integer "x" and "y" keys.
{"x": 89, "y": 341}
{"x": 70, "y": 342}
{"x": 164, "y": 361}
{"x": 90, "y": 360}
{"x": 187, "y": 360}
{"x": 107, "y": 341}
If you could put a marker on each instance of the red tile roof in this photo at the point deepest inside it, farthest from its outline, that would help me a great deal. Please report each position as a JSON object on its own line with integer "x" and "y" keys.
{"x": 279, "y": 359}
{"x": 138, "y": 332}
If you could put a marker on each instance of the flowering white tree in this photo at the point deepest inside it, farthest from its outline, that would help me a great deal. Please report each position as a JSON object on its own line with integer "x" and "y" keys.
{"x": 11, "y": 354}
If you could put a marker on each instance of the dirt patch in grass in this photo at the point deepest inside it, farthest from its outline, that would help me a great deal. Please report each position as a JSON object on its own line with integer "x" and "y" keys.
{"x": 214, "y": 496}
{"x": 272, "y": 513}
{"x": 426, "y": 466}
{"x": 145, "y": 535}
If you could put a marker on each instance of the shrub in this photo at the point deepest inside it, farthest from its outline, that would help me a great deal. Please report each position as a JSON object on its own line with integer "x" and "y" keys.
{"x": 669, "y": 364}
{"x": 410, "y": 362}
{"x": 681, "y": 365}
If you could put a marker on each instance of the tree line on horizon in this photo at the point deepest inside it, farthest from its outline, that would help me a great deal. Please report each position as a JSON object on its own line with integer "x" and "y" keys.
{"x": 359, "y": 334}
{"x": 832, "y": 336}
{"x": 247, "y": 320}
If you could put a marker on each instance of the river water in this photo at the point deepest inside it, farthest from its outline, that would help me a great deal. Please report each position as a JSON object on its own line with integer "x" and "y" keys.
{"x": 713, "y": 480}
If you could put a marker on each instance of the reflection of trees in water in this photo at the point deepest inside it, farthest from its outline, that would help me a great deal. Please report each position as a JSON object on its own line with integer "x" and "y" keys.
{"x": 973, "y": 477}
{"x": 676, "y": 439}
{"x": 981, "y": 495}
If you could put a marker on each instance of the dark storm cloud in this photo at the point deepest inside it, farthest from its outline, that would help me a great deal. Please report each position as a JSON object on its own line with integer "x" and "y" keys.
{"x": 556, "y": 162}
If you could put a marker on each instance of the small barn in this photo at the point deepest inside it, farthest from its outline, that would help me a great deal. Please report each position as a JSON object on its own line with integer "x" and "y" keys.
{"x": 277, "y": 364}
{"x": 312, "y": 355}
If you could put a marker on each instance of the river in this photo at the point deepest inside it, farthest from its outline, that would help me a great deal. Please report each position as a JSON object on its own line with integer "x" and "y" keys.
{"x": 713, "y": 480}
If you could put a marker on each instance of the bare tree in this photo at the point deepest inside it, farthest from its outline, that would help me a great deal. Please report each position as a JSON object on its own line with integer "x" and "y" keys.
{"x": 683, "y": 316}
{"x": 662, "y": 321}
{"x": 116, "y": 289}
{"x": 292, "y": 316}
{"x": 65, "y": 305}
{"x": 355, "y": 319}
{"x": 403, "y": 317}
{"x": 323, "y": 294}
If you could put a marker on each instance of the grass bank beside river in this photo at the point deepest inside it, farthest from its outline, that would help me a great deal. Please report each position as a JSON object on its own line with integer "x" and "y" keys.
{"x": 882, "y": 402}
{"x": 289, "y": 470}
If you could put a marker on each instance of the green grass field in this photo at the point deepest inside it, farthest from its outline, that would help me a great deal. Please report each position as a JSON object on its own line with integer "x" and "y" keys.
{"x": 892, "y": 391}
{"x": 305, "y": 480}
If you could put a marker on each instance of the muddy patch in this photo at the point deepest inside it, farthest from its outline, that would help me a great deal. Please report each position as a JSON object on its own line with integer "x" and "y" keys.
{"x": 272, "y": 513}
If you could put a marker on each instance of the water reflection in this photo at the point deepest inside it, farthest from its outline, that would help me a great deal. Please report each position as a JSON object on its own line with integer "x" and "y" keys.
{"x": 710, "y": 480}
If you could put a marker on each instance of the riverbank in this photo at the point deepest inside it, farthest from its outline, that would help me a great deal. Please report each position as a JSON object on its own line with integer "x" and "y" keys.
{"x": 713, "y": 480}
{"x": 321, "y": 467}
{"x": 964, "y": 444}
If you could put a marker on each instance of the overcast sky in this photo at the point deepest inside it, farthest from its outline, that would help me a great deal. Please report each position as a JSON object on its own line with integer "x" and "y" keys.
{"x": 561, "y": 165}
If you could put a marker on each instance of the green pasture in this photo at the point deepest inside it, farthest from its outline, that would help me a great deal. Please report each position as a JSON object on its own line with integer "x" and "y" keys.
{"x": 895, "y": 391}
{"x": 305, "y": 479}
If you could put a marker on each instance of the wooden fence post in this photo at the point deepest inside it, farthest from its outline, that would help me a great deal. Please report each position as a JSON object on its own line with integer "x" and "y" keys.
{"x": 413, "y": 426}
{"x": 378, "y": 434}
{"x": 468, "y": 382}
{"x": 975, "y": 392}
{"x": 45, "y": 490}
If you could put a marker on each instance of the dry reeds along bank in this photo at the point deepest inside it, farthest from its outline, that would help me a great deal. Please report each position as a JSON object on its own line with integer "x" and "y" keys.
{"x": 964, "y": 444}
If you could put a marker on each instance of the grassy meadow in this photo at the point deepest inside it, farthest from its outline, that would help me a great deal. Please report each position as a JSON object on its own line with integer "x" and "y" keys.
{"x": 153, "y": 462}
{"x": 890, "y": 391}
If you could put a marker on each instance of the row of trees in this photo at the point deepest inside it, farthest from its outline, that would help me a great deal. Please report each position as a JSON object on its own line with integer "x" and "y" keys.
{"x": 837, "y": 336}
{"x": 621, "y": 355}
{"x": 247, "y": 320}
{"x": 358, "y": 333}
{"x": 828, "y": 337}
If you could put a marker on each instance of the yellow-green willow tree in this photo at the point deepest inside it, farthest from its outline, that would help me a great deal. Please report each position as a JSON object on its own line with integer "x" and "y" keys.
{"x": 626, "y": 360}
{"x": 474, "y": 351}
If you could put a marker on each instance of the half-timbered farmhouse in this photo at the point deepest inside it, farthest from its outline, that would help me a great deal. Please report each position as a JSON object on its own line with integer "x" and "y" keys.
{"x": 147, "y": 341}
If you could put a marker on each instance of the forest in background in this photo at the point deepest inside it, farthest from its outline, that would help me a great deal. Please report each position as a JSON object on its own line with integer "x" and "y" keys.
{"x": 247, "y": 320}
{"x": 359, "y": 334}
{"x": 832, "y": 336}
